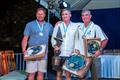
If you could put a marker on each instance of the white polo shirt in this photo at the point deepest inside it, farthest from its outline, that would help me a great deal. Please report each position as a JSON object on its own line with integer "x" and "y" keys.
{"x": 92, "y": 31}
{"x": 69, "y": 37}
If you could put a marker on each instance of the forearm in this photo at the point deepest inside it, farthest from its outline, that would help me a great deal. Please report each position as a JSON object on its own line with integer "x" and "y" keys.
{"x": 24, "y": 47}
{"x": 53, "y": 41}
{"x": 24, "y": 44}
{"x": 104, "y": 43}
{"x": 102, "y": 46}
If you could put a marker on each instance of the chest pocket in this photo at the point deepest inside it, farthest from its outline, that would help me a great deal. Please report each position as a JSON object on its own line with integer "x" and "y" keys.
{"x": 91, "y": 34}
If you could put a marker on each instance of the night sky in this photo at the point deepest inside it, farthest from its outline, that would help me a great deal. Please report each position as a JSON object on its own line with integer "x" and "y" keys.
{"x": 7, "y": 5}
{"x": 7, "y": 30}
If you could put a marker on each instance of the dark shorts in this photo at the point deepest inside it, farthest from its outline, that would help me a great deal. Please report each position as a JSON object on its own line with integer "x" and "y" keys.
{"x": 62, "y": 61}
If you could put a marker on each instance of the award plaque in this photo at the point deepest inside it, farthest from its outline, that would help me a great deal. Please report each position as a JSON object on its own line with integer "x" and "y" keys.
{"x": 35, "y": 52}
{"x": 56, "y": 59}
{"x": 91, "y": 46}
{"x": 77, "y": 64}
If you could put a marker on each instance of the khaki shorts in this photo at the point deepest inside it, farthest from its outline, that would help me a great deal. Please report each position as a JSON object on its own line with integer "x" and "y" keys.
{"x": 35, "y": 66}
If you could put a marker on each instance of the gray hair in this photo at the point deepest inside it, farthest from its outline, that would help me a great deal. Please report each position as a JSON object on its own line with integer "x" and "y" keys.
{"x": 65, "y": 10}
{"x": 86, "y": 10}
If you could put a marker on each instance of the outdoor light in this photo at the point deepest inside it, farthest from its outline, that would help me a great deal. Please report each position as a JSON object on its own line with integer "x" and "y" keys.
{"x": 63, "y": 4}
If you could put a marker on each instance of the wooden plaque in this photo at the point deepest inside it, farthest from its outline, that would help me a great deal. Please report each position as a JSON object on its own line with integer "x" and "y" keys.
{"x": 91, "y": 46}
{"x": 78, "y": 65}
{"x": 35, "y": 52}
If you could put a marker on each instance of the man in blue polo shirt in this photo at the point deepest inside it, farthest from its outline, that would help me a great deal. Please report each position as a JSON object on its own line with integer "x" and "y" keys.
{"x": 37, "y": 33}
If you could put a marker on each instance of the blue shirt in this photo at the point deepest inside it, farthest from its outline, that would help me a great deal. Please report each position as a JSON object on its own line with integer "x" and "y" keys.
{"x": 32, "y": 30}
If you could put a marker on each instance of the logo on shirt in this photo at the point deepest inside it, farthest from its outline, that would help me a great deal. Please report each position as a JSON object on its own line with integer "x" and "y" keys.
{"x": 46, "y": 30}
{"x": 88, "y": 33}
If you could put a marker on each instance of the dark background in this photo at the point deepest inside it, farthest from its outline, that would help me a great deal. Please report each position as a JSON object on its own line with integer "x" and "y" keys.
{"x": 108, "y": 20}
{"x": 15, "y": 14}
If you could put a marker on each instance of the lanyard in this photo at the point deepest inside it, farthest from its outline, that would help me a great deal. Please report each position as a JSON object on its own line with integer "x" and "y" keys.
{"x": 65, "y": 27}
{"x": 40, "y": 27}
{"x": 86, "y": 29}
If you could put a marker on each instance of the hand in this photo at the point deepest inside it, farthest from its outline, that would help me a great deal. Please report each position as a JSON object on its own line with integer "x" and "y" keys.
{"x": 56, "y": 48}
{"x": 77, "y": 51}
{"x": 58, "y": 23}
{"x": 24, "y": 52}
{"x": 97, "y": 53}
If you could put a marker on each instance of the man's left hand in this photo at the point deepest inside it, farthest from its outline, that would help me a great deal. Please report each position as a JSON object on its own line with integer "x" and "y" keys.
{"x": 97, "y": 53}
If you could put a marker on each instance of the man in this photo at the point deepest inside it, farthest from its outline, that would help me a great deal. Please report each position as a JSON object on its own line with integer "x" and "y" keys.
{"x": 69, "y": 31}
{"x": 88, "y": 30}
{"x": 37, "y": 33}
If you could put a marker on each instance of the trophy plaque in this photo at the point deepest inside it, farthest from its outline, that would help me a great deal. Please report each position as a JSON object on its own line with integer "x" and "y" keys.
{"x": 77, "y": 64}
{"x": 91, "y": 46}
{"x": 35, "y": 52}
{"x": 56, "y": 58}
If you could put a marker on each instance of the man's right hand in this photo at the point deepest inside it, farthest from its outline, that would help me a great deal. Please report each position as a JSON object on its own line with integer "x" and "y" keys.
{"x": 24, "y": 52}
{"x": 56, "y": 48}
{"x": 77, "y": 51}
{"x": 59, "y": 22}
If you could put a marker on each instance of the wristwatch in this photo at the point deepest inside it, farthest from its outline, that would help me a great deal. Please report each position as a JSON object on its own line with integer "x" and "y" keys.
{"x": 101, "y": 49}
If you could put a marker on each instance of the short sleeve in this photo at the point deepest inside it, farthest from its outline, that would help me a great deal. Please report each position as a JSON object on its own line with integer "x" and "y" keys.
{"x": 27, "y": 30}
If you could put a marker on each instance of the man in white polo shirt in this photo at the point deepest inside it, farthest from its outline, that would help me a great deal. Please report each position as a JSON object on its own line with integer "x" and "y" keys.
{"x": 69, "y": 31}
{"x": 88, "y": 30}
